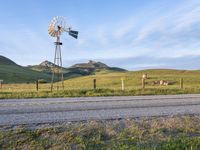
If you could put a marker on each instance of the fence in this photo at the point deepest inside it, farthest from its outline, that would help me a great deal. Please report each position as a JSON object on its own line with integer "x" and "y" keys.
{"x": 115, "y": 83}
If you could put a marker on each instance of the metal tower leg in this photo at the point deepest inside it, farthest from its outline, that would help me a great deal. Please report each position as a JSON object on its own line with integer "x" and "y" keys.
{"x": 57, "y": 69}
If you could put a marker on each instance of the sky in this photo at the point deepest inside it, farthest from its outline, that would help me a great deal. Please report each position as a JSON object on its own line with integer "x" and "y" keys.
{"x": 132, "y": 34}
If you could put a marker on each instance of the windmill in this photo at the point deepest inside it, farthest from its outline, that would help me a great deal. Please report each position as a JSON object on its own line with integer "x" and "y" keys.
{"x": 56, "y": 27}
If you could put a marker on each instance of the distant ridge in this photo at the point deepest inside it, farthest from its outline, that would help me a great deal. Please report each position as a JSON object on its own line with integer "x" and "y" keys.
{"x": 45, "y": 66}
{"x": 90, "y": 64}
{"x": 46, "y": 63}
{"x": 76, "y": 70}
{"x": 6, "y": 61}
{"x": 96, "y": 66}
{"x": 11, "y": 72}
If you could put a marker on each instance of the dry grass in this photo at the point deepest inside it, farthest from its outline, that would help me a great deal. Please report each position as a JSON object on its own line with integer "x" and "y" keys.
{"x": 179, "y": 132}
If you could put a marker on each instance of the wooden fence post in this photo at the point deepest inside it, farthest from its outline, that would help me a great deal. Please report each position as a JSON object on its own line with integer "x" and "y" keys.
{"x": 36, "y": 82}
{"x": 143, "y": 83}
{"x": 122, "y": 84}
{"x": 94, "y": 84}
{"x": 181, "y": 83}
{"x": 1, "y": 83}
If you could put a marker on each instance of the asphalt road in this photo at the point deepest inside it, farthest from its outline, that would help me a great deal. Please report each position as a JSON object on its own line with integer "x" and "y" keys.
{"x": 50, "y": 110}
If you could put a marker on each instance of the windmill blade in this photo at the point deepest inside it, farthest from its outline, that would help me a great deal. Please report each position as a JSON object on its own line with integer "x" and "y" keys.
{"x": 55, "y": 19}
{"x": 54, "y": 33}
{"x": 51, "y": 31}
{"x": 58, "y": 25}
{"x": 62, "y": 29}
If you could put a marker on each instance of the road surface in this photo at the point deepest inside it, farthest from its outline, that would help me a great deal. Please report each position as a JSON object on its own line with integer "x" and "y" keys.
{"x": 53, "y": 110}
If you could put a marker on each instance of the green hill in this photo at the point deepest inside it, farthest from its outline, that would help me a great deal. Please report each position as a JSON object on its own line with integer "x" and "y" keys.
{"x": 77, "y": 70}
{"x": 10, "y": 72}
{"x": 6, "y": 61}
{"x": 132, "y": 79}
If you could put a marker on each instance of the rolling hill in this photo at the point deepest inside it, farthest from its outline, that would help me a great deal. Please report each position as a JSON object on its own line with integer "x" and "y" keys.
{"x": 77, "y": 70}
{"x": 10, "y": 72}
{"x": 132, "y": 79}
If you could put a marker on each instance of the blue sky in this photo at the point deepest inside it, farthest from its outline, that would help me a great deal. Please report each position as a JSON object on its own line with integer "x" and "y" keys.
{"x": 133, "y": 34}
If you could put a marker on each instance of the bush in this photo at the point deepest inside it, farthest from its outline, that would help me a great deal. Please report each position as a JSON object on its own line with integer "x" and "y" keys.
{"x": 41, "y": 81}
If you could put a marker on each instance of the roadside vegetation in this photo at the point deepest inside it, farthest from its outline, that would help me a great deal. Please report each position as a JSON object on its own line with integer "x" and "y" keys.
{"x": 97, "y": 92}
{"x": 164, "y": 133}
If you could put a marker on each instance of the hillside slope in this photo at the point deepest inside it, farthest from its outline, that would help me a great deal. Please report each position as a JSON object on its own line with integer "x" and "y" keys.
{"x": 132, "y": 79}
{"x": 10, "y": 72}
{"x": 6, "y": 61}
{"x": 77, "y": 70}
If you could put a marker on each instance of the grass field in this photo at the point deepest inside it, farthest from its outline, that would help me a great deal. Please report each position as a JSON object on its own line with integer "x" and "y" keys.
{"x": 169, "y": 133}
{"x": 18, "y": 74}
{"x": 109, "y": 84}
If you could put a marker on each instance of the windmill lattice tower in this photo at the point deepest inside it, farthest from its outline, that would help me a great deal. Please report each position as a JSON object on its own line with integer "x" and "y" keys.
{"x": 55, "y": 29}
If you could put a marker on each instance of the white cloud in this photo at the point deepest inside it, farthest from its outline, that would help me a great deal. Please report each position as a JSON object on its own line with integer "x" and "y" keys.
{"x": 145, "y": 32}
{"x": 174, "y": 34}
{"x": 123, "y": 29}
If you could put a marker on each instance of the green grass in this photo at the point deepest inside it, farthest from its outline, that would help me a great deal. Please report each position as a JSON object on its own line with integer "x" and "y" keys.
{"x": 97, "y": 92}
{"x": 181, "y": 132}
{"x": 10, "y": 72}
{"x": 18, "y": 74}
{"x": 109, "y": 84}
